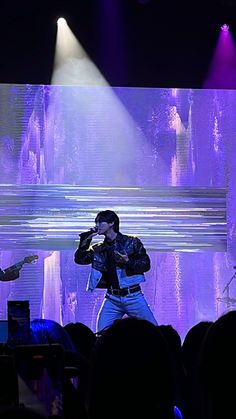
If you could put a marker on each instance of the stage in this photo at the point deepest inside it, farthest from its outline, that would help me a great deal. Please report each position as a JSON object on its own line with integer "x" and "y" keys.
{"x": 163, "y": 159}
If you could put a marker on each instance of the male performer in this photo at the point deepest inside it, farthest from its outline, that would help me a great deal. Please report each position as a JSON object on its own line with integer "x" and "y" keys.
{"x": 118, "y": 264}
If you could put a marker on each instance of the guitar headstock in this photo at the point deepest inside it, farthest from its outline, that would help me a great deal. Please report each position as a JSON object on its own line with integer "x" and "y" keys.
{"x": 29, "y": 259}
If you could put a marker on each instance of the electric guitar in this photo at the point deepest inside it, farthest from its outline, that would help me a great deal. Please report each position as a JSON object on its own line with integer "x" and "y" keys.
{"x": 11, "y": 273}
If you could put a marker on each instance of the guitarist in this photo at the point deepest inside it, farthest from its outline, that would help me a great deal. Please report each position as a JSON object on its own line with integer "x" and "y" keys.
{"x": 13, "y": 272}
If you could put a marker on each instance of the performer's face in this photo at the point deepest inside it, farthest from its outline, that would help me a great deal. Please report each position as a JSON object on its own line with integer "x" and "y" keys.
{"x": 103, "y": 227}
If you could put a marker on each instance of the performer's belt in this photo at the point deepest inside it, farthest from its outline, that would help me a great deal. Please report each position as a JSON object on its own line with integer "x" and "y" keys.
{"x": 124, "y": 291}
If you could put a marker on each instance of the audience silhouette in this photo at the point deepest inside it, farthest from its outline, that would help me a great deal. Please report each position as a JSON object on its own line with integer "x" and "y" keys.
{"x": 82, "y": 337}
{"x": 175, "y": 346}
{"x": 75, "y": 365}
{"x": 132, "y": 373}
{"x": 191, "y": 349}
{"x": 20, "y": 412}
{"x": 44, "y": 331}
{"x": 217, "y": 368}
{"x": 132, "y": 368}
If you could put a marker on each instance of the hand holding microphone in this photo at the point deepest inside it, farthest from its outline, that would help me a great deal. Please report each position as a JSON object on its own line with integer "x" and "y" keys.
{"x": 86, "y": 235}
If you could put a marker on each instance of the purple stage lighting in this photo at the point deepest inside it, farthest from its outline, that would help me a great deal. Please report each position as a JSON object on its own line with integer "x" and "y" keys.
{"x": 225, "y": 27}
{"x": 222, "y": 71}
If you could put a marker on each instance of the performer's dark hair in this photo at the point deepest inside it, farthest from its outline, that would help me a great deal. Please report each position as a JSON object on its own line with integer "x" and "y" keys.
{"x": 109, "y": 217}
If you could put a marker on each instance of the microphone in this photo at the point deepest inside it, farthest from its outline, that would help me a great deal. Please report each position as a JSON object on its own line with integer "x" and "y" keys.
{"x": 86, "y": 234}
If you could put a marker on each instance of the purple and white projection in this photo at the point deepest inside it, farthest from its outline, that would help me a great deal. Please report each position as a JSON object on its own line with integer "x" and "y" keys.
{"x": 163, "y": 159}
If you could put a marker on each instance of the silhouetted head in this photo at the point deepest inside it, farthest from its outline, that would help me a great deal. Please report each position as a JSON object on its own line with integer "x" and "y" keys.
{"x": 131, "y": 358}
{"x": 82, "y": 336}
{"x": 217, "y": 368}
{"x": 171, "y": 335}
{"x": 192, "y": 344}
{"x": 49, "y": 331}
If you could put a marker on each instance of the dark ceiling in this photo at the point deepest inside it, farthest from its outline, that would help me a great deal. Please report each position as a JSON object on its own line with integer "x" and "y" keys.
{"x": 144, "y": 43}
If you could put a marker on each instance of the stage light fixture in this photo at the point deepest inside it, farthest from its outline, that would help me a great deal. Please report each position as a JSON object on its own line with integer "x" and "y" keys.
{"x": 225, "y": 27}
{"x": 61, "y": 21}
{"x": 72, "y": 65}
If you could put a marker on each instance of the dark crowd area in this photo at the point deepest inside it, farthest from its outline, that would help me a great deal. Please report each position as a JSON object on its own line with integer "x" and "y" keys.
{"x": 131, "y": 368}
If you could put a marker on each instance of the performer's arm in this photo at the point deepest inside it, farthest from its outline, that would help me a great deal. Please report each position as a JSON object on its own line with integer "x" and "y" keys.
{"x": 139, "y": 261}
{"x": 84, "y": 255}
{"x": 11, "y": 273}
